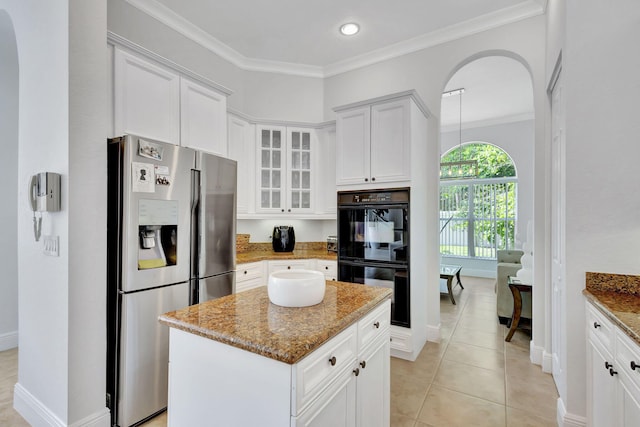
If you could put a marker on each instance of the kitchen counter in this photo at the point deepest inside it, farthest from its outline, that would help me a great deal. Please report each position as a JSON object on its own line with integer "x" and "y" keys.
{"x": 270, "y": 255}
{"x": 247, "y": 320}
{"x": 617, "y": 296}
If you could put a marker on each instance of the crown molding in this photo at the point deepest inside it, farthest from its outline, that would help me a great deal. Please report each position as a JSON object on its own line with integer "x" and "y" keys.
{"x": 457, "y": 31}
{"x": 489, "y": 122}
{"x": 524, "y": 10}
{"x": 178, "y": 23}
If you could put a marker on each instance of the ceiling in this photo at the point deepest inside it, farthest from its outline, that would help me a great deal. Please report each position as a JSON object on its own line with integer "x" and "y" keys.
{"x": 302, "y": 38}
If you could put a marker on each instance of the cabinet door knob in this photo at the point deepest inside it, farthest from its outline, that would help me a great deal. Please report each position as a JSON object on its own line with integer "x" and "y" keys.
{"x": 333, "y": 361}
{"x": 356, "y": 372}
{"x": 289, "y": 210}
{"x": 607, "y": 365}
{"x": 245, "y": 272}
{"x": 596, "y": 325}
{"x": 326, "y": 267}
{"x": 377, "y": 325}
{"x": 288, "y": 267}
{"x": 612, "y": 372}
{"x": 363, "y": 364}
{"x": 634, "y": 365}
{"x": 366, "y": 180}
{"x": 282, "y": 210}
{"x": 373, "y": 178}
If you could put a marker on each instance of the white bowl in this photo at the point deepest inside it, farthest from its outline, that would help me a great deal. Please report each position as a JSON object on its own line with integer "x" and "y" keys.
{"x": 296, "y": 288}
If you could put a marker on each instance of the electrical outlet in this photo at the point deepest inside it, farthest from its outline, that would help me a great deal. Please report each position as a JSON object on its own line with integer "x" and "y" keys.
{"x": 50, "y": 245}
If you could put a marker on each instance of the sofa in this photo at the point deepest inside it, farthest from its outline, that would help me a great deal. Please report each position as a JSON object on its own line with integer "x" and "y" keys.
{"x": 509, "y": 262}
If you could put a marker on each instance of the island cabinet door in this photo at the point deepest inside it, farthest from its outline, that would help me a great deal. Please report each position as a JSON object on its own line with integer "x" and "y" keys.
{"x": 336, "y": 407}
{"x": 372, "y": 386}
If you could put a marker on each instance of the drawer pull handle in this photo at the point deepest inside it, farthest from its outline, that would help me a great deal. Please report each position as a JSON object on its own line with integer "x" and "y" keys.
{"x": 356, "y": 372}
{"x": 363, "y": 364}
{"x": 612, "y": 372}
{"x": 596, "y": 325}
{"x": 333, "y": 361}
{"x": 245, "y": 272}
{"x": 634, "y": 365}
{"x": 607, "y": 365}
{"x": 326, "y": 267}
{"x": 377, "y": 325}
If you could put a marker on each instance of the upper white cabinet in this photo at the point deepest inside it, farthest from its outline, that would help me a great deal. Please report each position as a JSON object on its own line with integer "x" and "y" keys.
{"x": 203, "y": 118}
{"x": 353, "y": 146}
{"x": 374, "y": 140}
{"x": 285, "y": 158}
{"x": 160, "y": 103}
{"x": 146, "y": 98}
{"x": 242, "y": 149}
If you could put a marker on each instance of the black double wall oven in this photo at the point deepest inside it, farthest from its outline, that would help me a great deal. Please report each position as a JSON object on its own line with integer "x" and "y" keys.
{"x": 373, "y": 244}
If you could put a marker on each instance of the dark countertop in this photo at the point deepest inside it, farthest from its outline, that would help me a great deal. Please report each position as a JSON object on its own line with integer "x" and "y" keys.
{"x": 617, "y": 296}
{"x": 248, "y": 320}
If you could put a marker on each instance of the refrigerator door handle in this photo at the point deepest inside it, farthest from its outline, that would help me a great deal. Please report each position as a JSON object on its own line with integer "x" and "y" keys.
{"x": 195, "y": 233}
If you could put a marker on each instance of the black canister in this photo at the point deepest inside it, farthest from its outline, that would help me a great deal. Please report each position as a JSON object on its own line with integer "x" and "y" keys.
{"x": 283, "y": 238}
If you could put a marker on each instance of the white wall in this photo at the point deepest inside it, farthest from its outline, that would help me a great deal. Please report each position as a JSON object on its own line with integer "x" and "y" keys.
{"x": 9, "y": 188}
{"x": 61, "y": 376}
{"x": 600, "y": 67}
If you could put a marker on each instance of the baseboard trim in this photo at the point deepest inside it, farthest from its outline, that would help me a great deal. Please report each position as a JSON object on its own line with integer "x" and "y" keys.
{"x": 565, "y": 419}
{"x": 535, "y": 353}
{"x": 8, "y": 340}
{"x": 37, "y": 414}
{"x": 547, "y": 362}
{"x": 433, "y": 333}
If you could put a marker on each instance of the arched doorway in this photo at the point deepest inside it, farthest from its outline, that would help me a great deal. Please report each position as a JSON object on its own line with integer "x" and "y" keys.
{"x": 9, "y": 187}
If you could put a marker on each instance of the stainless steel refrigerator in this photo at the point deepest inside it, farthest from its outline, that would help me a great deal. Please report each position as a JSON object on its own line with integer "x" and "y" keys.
{"x": 171, "y": 243}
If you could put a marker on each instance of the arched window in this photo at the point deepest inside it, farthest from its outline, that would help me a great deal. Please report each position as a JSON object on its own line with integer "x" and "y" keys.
{"x": 478, "y": 210}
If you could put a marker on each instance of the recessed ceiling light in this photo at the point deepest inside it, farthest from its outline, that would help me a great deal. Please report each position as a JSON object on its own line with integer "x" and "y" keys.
{"x": 349, "y": 29}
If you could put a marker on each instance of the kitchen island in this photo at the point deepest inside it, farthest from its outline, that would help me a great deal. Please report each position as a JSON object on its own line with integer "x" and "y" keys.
{"x": 242, "y": 361}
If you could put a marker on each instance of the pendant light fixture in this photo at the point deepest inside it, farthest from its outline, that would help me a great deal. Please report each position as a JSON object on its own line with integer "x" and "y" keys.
{"x": 461, "y": 168}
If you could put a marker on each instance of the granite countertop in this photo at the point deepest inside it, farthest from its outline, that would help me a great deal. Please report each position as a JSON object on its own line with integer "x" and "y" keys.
{"x": 617, "y": 296}
{"x": 261, "y": 255}
{"x": 248, "y": 320}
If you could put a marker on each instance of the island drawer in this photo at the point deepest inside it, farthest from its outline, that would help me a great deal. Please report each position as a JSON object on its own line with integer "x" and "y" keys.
{"x": 314, "y": 373}
{"x": 374, "y": 324}
{"x": 599, "y": 327}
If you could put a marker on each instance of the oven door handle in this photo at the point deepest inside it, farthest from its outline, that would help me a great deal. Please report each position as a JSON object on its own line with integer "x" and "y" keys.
{"x": 364, "y": 263}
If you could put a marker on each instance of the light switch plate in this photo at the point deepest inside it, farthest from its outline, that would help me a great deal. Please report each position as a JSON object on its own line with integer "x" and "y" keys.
{"x": 50, "y": 245}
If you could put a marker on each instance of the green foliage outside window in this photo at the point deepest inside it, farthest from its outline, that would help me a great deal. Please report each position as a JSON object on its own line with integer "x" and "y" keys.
{"x": 485, "y": 212}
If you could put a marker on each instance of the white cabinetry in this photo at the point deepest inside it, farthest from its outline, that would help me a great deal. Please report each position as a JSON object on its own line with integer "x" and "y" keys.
{"x": 242, "y": 150}
{"x": 158, "y": 102}
{"x": 290, "y": 264}
{"x": 613, "y": 382}
{"x": 345, "y": 382}
{"x": 203, "y": 118}
{"x": 249, "y": 276}
{"x": 329, "y": 268}
{"x": 285, "y": 178}
{"x": 373, "y": 141}
{"x": 146, "y": 99}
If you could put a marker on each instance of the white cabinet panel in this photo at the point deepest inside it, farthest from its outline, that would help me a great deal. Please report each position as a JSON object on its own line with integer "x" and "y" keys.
{"x": 353, "y": 144}
{"x": 391, "y": 141}
{"x": 203, "y": 114}
{"x": 146, "y": 99}
{"x": 241, "y": 142}
{"x": 372, "y": 396}
{"x": 326, "y": 176}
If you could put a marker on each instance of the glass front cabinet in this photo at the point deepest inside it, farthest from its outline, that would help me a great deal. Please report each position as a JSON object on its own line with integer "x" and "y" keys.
{"x": 285, "y": 178}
